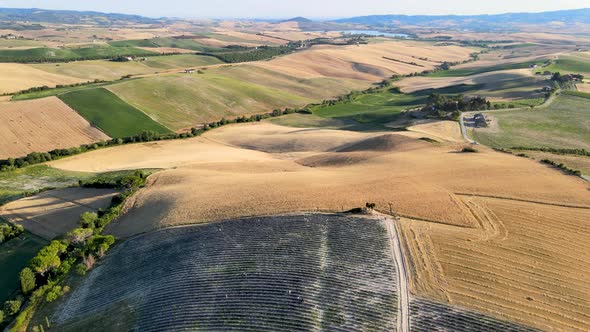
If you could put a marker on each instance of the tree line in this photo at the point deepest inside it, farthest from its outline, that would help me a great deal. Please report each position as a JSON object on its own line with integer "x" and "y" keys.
{"x": 78, "y": 251}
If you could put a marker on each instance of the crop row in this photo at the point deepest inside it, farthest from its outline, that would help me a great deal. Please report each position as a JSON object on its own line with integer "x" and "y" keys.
{"x": 426, "y": 315}
{"x": 285, "y": 273}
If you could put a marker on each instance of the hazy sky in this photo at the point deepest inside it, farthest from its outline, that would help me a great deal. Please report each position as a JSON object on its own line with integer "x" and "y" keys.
{"x": 291, "y": 8}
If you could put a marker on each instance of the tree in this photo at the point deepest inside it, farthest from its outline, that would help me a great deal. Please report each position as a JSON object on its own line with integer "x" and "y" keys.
{"x": 100, "y": 244}
{"x": 88, "y": 219}
{"x": 79, "y": 235}
{"x": 12, "y": 307}
{"x": 48, "y": 257}
{"x": 27, "y": 280}
{"x": 1, "y": 316}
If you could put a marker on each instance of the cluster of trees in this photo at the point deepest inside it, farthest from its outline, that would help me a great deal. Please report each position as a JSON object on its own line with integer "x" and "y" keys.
{"x": 450, "y": 107}
{"x": 78, "y": 249}
{"x": 9, "y": 232}
{"x": 567, "y": 82}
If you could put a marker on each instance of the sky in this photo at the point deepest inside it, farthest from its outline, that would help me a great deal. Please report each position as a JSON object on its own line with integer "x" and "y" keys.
{"x": 292, "y": 8}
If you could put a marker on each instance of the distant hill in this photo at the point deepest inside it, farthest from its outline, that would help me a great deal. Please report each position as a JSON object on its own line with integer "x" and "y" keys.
{"x": 69, "y": 17}
{"x": 474, "y": 21}
{"x": 298, "y": 19}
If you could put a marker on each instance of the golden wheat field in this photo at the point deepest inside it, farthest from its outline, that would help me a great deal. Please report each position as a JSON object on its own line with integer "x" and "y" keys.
{"x": 55, "y": 212}
{"x": 371, "y": 62}
{"x": 16, "y": 77}
{"x": 487, "y": 230}
{"x": 42, "y": 125}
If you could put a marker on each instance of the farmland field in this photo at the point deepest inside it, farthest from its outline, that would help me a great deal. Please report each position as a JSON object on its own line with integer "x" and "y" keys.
{"x": 42, "y": 125}
{"x": 566, "y": 121}
{"x": 309, "y": 272}
{"x": 526, "y": 262}
{"x": 109, "y": 70}
{"x": 15, "y": 255}
{"x": 16, "y": 77}
{"x": 68, "y": 54}
{"x": 472, "y": 70}
{"x": 112, "y": 115}
{"x": 366, "y": 62}
{"x": 576, "y": 63}
{"x": 507, "y": 84}
{"x": 181, "y": 101}
{"x": 55, "y": 212}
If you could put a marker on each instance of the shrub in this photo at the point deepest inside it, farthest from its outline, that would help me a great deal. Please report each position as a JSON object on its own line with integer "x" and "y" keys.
{"x": 55, "y": 292}
{"x": 79, "y": 235}
{"x": 12, "y": 307}
{"x": 81, "y": 269}
{"x": 27, "y": 280}
{"x": 1, "y": 316}
{"x": 48, "y": 257}
{"x": 469, "y": 149}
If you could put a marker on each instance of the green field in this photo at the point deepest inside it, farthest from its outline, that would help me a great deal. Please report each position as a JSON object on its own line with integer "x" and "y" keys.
{"x": 577, "y": 63}
{"x": 565, "y": 124}
{"x": 110, "y": 70}
{"x": 110, "y": 113}
{"x": 480, "y": 70}
{"x": 44, "y": 54}
{"x": 376, "y": 108}
{"x": 187, "y": 44}
{"x": 180, "y": 101}
{"x": 14, "y": 256}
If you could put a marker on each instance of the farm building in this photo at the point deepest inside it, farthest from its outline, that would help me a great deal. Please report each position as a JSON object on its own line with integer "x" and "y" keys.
{"x": 480, "y": 120}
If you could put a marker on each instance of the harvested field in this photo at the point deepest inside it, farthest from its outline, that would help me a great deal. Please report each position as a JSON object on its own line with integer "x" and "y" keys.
{"x": 526, "y": 262}
{"x": 506, "y": 84}
{"x": 42, "y": 125}
{"x": 517, "y": 244}
{"x": 324, "y": 272}
{"x": 581, "y": 163}
{"x": 16, "y": 77}
{"x": 449, "y": 131}
{"x": 55, "y": 212}
{"x": 410, "y": 176}
{"x": 365, "y": 62}
{"x": 110, "y": 70}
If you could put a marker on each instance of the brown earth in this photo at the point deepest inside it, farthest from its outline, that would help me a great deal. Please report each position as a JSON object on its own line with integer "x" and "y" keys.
{"x": 42, "y": 125}
{"x": 487, "y": 231}
{"x": 55, "y": 212}
{"x": 370, "y": 62}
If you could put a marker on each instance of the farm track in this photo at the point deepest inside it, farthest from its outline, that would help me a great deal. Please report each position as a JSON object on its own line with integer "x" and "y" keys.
{"x": 403, "y": 322}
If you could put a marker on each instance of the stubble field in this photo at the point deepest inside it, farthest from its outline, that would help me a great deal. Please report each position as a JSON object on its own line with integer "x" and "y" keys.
{"x": 42, "y": 125}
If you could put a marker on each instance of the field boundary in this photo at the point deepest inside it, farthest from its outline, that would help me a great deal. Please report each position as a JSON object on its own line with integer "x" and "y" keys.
{"x": 525, "y": 201}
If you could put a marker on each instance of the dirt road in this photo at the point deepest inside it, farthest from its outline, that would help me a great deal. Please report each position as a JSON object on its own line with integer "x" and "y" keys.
{"x": 403, "y": 317}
